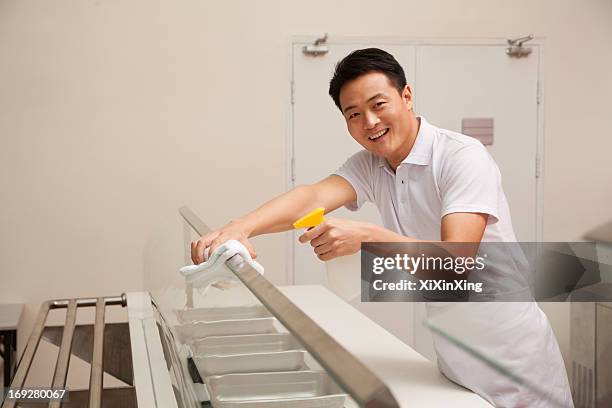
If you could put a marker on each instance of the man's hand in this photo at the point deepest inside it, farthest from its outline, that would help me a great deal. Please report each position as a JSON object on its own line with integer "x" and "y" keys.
{"x": 233, "y": 230}
{"x": 336, "y": 237}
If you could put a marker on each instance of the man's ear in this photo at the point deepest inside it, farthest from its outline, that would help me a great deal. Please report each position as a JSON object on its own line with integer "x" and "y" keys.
{"x": 407, "y": 96}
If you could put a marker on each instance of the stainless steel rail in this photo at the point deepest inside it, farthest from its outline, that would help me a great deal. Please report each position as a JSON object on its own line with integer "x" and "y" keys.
{"x": 351, "y": 374}
{"x": 63, "y": 359}
{"x": 97, "y": 361}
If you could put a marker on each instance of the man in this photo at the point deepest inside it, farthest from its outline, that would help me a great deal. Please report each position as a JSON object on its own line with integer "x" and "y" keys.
{"x": 428, "y": 184}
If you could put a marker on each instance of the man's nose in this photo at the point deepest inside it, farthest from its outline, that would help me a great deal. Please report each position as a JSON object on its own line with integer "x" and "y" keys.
{"x": 371, "y": 120}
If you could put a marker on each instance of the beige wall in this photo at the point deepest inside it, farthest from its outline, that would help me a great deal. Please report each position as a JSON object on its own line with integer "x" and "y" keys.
{"x": 115, "y": 113}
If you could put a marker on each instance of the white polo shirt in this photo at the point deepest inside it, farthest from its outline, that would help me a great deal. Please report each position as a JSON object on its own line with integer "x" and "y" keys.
{"x": 447, "y": 172}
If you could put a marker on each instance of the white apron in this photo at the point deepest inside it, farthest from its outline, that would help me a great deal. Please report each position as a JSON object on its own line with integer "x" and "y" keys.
{"x": 517, "y": 336}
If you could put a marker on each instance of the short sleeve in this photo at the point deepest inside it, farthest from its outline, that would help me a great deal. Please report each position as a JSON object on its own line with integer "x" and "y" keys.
{"x": 358, "y": 170}
{"x": 470, "y": 182}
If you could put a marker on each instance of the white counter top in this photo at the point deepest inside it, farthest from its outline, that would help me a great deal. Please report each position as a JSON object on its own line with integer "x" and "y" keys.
{"x": 413, "y": 380}
{"x": 10, "y": 315}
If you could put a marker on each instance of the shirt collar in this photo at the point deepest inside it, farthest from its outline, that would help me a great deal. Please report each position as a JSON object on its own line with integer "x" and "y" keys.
{"x": 421, "y": 151}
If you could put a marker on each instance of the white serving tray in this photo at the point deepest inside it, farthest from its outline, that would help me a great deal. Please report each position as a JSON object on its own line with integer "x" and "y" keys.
{"x": 299, "y": 389}
{"x": 244, "y": 344}
{"x": 194, "y": 331}
{"x": 291, "y": 360}
{"x": 207, "y": 314}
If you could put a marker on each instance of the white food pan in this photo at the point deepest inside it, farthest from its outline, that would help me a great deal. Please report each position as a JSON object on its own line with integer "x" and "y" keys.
{"x": 244, "y": 344}
{"x": 208, "y": 314}
{"x": 300, "y": 389}
{"x": 194, "y": 331}
{"x": 250, "y": 363}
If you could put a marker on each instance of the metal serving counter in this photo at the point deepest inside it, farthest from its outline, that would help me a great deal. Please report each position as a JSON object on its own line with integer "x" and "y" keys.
{"x": 238, "y": 342}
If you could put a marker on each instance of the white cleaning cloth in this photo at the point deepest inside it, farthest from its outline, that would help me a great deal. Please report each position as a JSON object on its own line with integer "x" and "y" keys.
{"x": 214, "y": 268}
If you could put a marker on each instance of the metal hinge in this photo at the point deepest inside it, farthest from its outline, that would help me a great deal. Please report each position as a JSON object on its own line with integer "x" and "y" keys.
{"x": 516, "y": 49}
{"x": 317, "y": 48}
{"x": 538, "y": 167}
{"x": 292, "y": 169}
{"x": 292, "y": 92}
{"x": 538, "y": 93}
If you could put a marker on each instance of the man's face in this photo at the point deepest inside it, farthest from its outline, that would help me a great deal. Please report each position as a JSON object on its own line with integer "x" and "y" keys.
{"x": 378, "y": 117}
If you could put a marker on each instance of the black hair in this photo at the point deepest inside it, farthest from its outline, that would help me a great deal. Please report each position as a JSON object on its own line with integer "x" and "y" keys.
{"x": 360, "y": 62}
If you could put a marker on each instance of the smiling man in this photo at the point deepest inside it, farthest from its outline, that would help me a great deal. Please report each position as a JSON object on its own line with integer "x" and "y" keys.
{"x": 429, "y": 184}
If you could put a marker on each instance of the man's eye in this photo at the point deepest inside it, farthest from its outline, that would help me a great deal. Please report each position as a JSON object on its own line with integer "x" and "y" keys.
{"x": 353, "y": 115}
{"x": 379, "y": 104}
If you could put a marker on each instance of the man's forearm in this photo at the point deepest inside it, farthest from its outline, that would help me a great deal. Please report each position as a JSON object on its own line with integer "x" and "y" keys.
{"x": 278, "y": 214}
{"x": 381, "y": 243}
{"x": 377, "y": 233}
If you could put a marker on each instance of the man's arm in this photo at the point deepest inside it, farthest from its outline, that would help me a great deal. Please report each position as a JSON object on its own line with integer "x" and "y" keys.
{"x": 339, "y": 237}
{"x": 278, "y": 214}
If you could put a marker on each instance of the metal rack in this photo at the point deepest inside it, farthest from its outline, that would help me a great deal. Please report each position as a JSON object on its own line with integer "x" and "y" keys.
{"x": 63, "y": 359}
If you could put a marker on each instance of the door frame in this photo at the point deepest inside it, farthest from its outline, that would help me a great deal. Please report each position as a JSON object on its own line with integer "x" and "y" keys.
{"x": 537, "y": 42}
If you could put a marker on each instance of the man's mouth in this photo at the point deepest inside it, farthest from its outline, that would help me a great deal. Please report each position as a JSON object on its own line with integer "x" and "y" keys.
{"x": 378, "y": 134}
